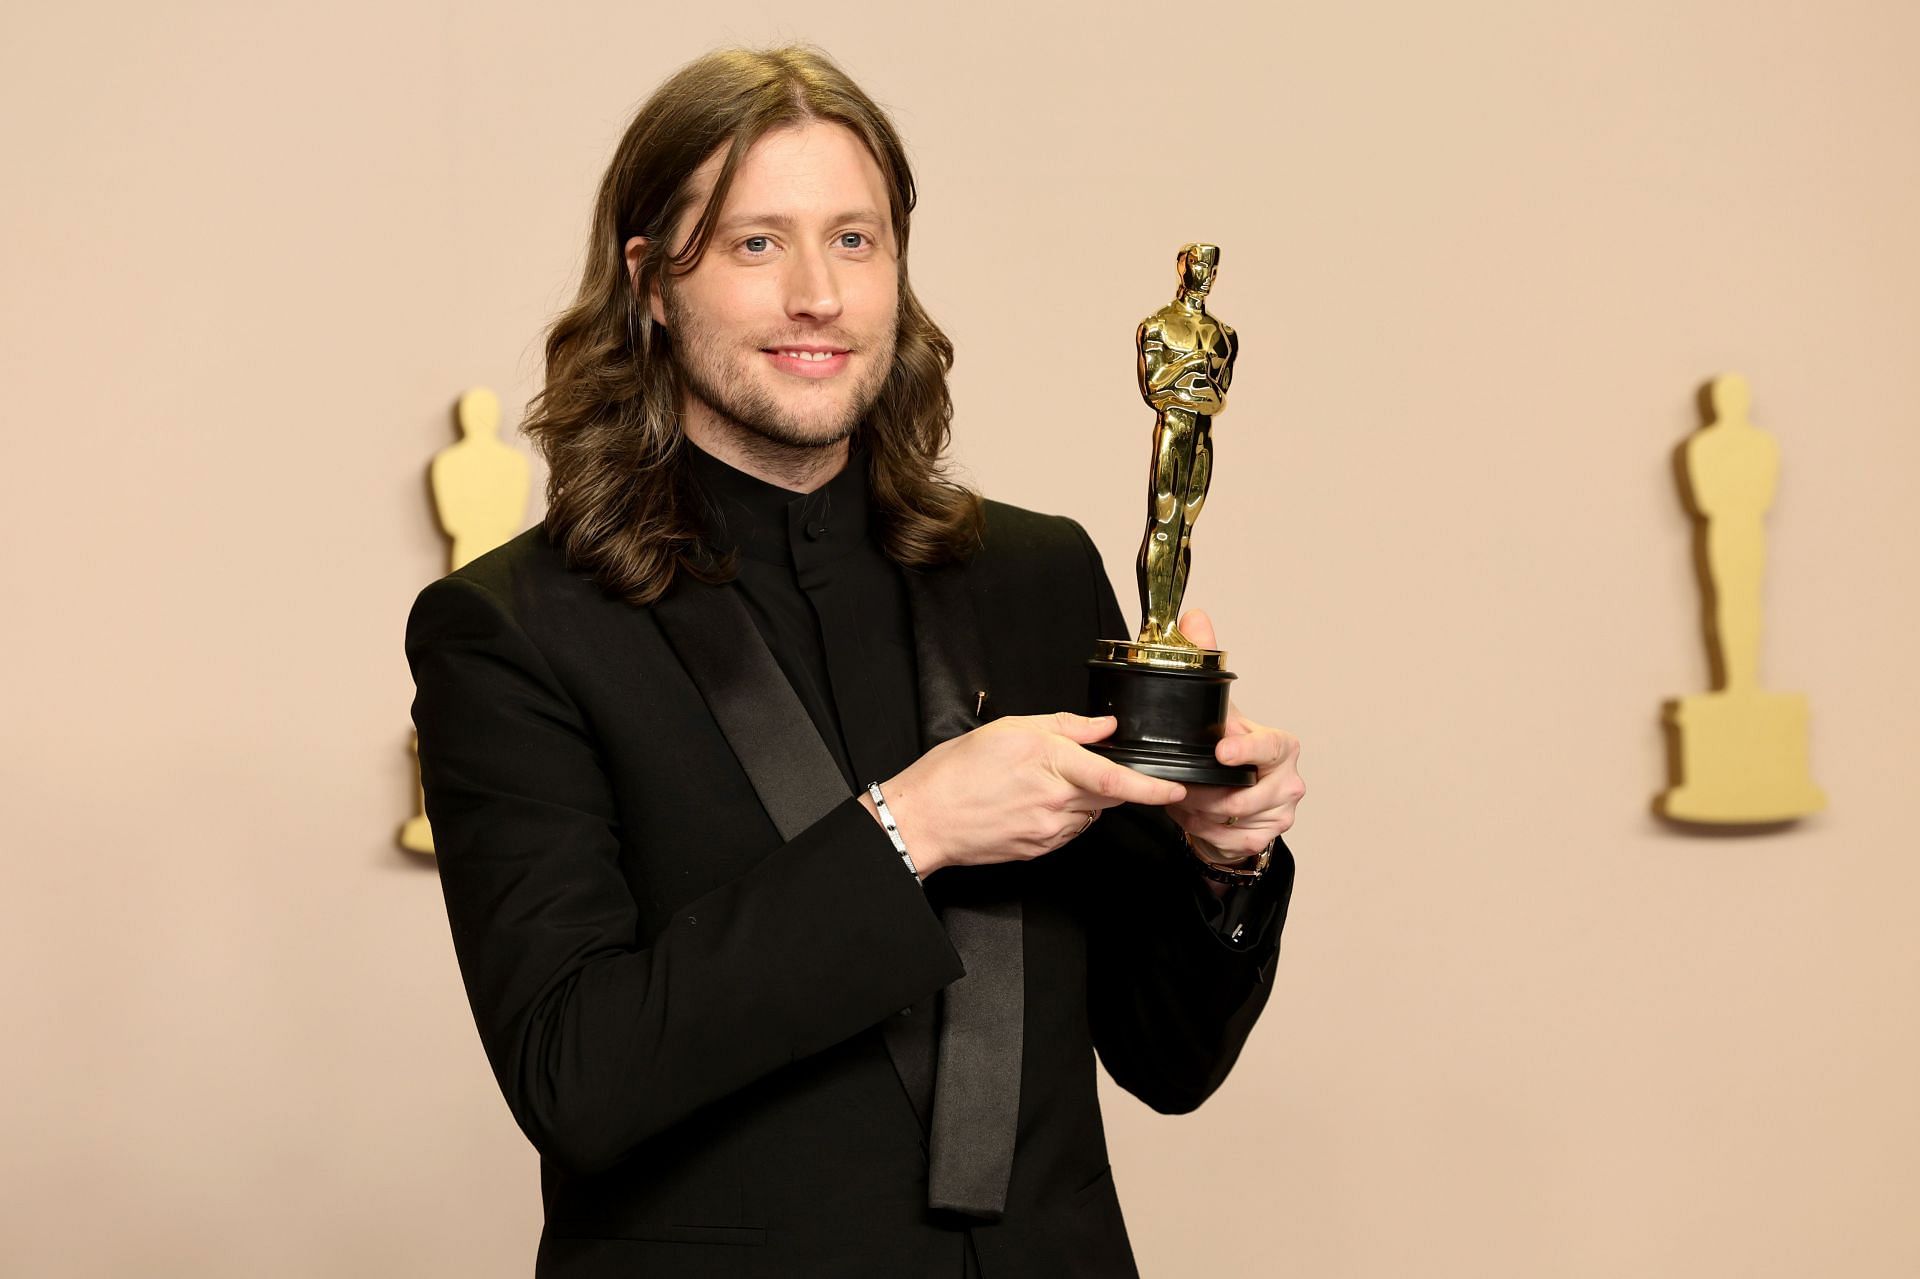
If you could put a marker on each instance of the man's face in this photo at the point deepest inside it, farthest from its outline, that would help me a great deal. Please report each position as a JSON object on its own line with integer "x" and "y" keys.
{"x": 785, "y": 330}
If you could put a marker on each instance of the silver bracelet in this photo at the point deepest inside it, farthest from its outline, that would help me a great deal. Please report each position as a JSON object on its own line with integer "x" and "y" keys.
{"x": 893, "y": 828}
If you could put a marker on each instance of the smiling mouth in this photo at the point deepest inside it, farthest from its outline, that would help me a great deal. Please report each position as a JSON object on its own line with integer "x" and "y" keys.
{"x": 807, "y": 353}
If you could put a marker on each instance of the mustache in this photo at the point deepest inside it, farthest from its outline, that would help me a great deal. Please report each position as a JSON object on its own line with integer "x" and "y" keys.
{"x": 840, "y": 340}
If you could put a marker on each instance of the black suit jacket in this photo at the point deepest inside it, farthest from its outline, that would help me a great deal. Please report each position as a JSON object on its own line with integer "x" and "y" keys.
{"x": 689, "y": 1014}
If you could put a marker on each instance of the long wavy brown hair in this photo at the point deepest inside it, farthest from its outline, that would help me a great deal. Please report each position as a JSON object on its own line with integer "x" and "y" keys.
{"x": 620, "y": 500}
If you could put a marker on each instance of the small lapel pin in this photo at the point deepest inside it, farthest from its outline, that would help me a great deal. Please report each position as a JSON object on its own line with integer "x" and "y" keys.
{"x": 980, "y": 704}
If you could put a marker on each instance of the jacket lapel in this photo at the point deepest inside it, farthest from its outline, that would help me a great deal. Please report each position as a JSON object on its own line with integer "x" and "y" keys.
{"x": 757, "y": 711}
{"x": 951, "y": 665}
{"x": 976, "y": 1090}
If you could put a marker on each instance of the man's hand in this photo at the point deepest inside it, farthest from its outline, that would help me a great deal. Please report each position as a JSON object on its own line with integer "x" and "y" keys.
{"x": 1012, "y": 790}
{"x": 1239, "y": 821}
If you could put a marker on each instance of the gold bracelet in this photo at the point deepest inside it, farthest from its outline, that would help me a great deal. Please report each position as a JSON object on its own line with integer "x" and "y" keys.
{"x": 1245, "y": 870}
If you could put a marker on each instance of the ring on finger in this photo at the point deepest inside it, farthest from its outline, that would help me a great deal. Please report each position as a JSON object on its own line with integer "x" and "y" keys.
{"x": 1089, "y": 826}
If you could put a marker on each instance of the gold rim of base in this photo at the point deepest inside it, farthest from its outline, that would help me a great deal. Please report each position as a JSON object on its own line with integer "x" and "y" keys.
{"x": 1161, "y": 656}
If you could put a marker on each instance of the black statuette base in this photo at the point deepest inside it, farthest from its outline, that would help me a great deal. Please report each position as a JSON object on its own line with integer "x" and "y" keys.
{"x": 1169, "y": 721}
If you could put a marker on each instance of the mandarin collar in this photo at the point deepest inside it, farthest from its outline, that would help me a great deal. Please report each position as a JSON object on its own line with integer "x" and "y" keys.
{"x": 778, "y": 525}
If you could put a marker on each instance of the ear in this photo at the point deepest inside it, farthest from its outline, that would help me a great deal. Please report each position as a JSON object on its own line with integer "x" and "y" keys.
{"x": 637, "y": 249}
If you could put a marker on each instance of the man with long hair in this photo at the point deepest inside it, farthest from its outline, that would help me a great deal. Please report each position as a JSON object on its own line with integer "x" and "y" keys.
{"x": 774, "y": 877}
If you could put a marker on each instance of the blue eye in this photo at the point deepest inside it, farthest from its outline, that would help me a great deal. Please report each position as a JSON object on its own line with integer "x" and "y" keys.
{"x": 754, "y": 243}
{"x": 856, "y": 236}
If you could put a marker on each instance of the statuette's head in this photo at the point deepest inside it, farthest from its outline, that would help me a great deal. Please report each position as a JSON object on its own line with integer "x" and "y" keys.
{"x": 479, "y": 413}
{"x": 1730, "y": 398}
{"x": 1198, "y": 264}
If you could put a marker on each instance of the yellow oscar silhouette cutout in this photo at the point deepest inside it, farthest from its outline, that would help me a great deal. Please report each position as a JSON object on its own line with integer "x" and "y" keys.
{"x": 480, "y": 495}
{"x": 1740, "y": 753}
{"x": 479, "y": 484}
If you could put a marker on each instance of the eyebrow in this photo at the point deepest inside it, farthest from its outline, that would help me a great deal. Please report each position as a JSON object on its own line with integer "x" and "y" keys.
{"x": 785, "y": 222}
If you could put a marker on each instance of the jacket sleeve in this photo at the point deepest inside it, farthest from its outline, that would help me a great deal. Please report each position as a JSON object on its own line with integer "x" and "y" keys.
{"x": 1176, "y": 977}
{"x": 599, "y": 1037}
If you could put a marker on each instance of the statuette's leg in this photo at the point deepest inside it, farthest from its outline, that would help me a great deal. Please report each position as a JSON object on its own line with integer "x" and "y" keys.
{"x": 1199, "y": 478}
{"x": 1159, "y": 557}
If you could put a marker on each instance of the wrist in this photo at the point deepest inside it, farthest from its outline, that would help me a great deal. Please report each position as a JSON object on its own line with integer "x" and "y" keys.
{"x": 1225, "y": 870}
{"x": 918, "y": 852}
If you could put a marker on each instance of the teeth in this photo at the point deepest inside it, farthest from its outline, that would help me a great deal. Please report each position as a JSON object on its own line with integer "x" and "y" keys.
{"x": 808, "y": 355}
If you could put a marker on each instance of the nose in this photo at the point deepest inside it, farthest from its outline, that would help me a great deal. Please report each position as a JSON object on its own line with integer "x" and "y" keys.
{"x": 812, "y": 291}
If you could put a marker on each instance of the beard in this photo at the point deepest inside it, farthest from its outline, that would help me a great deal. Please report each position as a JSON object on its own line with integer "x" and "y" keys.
{"x": 741, "y": 401}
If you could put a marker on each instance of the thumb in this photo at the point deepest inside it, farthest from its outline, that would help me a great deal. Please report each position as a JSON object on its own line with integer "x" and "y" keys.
{"x": 1082, "y": 728}
{"x": 1198, "y": 627}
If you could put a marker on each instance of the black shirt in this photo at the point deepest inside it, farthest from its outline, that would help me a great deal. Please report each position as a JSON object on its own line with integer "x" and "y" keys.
{"x": 830, "y": 605}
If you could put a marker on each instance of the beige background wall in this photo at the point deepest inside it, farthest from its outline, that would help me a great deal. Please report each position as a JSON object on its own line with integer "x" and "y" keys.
{"x": 1480, "y": 256}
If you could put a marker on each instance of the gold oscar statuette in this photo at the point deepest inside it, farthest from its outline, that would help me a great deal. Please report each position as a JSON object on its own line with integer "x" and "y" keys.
{"x": 1169, "y": 694}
